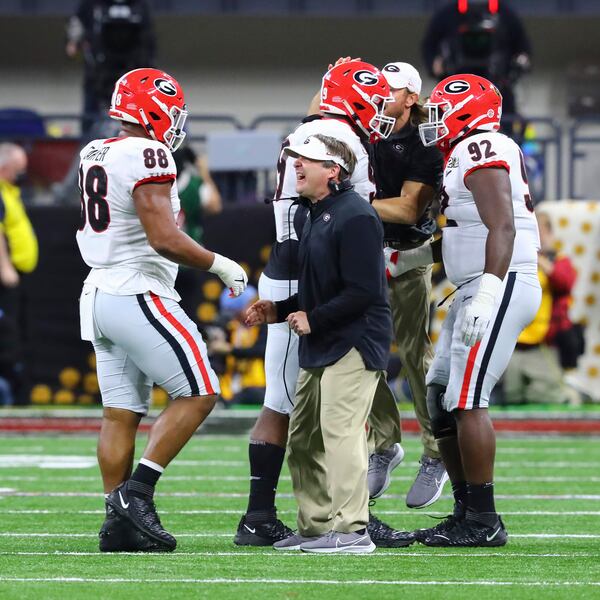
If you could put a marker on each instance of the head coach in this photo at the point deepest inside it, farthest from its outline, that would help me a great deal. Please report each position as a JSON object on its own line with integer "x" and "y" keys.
{"x": 342, "y": 316}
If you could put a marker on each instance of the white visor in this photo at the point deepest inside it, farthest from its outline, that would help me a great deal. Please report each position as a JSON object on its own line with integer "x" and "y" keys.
{"x": 315, "y": 149}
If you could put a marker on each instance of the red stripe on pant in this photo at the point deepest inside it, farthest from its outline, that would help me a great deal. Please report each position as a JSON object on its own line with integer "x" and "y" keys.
{"x": 464, "y": 391}
{"x": 188, "y": 338}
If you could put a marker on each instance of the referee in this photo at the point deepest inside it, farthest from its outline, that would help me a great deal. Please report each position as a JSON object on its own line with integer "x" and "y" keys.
{"x": 408, "y": 177}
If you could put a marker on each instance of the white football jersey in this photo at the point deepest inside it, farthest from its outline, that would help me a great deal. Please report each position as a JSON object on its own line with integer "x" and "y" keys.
{"x": 286, "y": 175}
{"x": 463, "y": 244}
{"x": 111, "y": 237}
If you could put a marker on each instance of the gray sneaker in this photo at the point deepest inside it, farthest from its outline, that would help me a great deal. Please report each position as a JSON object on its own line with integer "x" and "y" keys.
{"x": 336, "y": 542}
{"x": 380, "y": 468}
{"x": 429, "y": 483}
{"x": 293, "y": 542}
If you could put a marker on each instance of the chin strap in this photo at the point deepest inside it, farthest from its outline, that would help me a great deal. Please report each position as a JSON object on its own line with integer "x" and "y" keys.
{"x": 147, "y": 124}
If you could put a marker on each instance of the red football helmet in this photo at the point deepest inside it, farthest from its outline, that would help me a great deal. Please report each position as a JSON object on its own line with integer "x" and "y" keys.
{"x": 359, "y": 91}
{"x": 457, "y": 105}
{"x": 153, "y": 99}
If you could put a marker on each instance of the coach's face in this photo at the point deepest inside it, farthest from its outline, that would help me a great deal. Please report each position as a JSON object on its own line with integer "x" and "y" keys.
{"x": 312, "y": 177}
{"x": 403, "y": 100}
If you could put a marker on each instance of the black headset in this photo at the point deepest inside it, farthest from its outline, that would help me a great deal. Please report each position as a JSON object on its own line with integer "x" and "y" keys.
{"x": 337, "y": 187}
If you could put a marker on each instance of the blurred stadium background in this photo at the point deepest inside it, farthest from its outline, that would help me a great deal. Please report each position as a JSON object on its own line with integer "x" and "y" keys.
{"x": 249, "y": 69}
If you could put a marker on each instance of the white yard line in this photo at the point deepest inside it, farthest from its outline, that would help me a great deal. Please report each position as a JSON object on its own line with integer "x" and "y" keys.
{"x": 296, "y": 582}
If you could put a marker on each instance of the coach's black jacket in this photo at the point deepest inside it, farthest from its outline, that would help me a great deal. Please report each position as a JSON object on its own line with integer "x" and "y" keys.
{"x": 342, "y": 285}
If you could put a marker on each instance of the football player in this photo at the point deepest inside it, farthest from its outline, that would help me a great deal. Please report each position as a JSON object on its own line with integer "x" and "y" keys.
{"x": 489, "y": 248}
{"x": 129, "y": 309}
{"x": 352, "y": 102}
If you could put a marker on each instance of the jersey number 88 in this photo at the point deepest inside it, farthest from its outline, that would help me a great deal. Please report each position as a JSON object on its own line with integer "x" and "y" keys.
{"x": 96, "y": 210}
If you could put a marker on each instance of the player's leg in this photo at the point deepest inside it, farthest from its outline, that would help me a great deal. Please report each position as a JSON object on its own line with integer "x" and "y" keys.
{"x": 116, "y": 445}
{"x": 167, "y": 348}
{"x": 473, "y": 375}
{"x": 125, "y": 394}
{"x": 259, "y": 526}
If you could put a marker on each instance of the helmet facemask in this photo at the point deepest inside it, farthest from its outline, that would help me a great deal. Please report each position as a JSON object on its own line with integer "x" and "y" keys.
{"x": 381, "y": 125}
{"x": 434, "y": 129}
{"x": 174, "y": 135}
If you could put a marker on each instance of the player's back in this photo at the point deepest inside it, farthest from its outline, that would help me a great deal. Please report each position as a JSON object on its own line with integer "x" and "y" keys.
{"x": 111, "y": 237}
{"x": 465, "y": 236}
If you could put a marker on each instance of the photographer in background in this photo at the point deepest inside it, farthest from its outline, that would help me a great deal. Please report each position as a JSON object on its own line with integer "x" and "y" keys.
{"x": 483, "y": 37}
{"x": 113, "y": 36}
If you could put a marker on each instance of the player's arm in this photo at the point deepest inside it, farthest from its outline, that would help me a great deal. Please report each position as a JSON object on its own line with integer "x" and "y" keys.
{"x": 398, "y": 262}
{"x": 492, "y": 194}
{"x": 407, "y": 208}
{"x": 493, "y": 198}
{"x": 153, "y": 204}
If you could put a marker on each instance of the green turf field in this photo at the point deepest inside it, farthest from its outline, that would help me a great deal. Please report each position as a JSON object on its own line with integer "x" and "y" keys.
{"x": 548, "y": 490}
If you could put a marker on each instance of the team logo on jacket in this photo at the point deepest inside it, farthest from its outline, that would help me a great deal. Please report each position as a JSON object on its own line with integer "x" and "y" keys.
{"x": 165, "y": 86}
{"x": 456, "y": 87}
{"x": 326, "y": 217}
{"x": 365, "y": 77}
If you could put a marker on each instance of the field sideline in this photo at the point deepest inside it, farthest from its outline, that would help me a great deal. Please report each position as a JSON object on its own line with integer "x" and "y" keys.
{"x": 548, "y": 491}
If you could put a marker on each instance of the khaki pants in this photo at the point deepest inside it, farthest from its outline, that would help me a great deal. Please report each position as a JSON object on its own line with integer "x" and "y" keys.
{"x": 410, "y": 301}
{"x": 327, "y": 445}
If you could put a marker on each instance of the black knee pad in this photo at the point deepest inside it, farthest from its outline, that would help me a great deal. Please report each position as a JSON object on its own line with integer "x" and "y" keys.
{"x": 443, "y": 423}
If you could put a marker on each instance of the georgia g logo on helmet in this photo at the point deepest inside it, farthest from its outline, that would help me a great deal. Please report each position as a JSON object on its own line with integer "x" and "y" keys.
{"x": 456, "y": 87}
{"x": 165, "y": 86}
{"x": 366, "y": 78}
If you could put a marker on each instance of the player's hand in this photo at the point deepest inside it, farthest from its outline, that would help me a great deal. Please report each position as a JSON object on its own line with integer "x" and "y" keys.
{"x": 262, "y": 311}
{"x": 298, "y": 322}
{"x": 479, "y": 312}
{"x": 394, "y": 265}
{"x": 476, "y": 319}
{"x": 230, "y": 273}
{"x": 341, "y": 61}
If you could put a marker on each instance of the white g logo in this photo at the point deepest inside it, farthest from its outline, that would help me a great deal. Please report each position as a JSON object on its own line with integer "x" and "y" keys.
{"x": 456, "y": 87}
{"x": 165, "y": 86}
{"x": 365, "y": 78}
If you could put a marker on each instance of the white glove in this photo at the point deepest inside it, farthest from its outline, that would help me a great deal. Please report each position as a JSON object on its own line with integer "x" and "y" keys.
{"x": 398, "y": 262}
{"x": 230, "y": 273}
{"x": 478, "y": 313}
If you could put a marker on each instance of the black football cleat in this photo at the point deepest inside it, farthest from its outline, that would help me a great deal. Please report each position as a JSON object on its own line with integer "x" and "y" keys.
{"x": 468, "y": 533}
{"x": 141, "y": 513}
{"x": 117, "y": 534}
{"x": 444, "y": 525}
{"x": 384, "y": 536}
{"x": 261, "y": 534}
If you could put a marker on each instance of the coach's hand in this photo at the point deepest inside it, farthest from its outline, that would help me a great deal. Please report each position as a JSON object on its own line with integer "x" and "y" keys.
{"x": 478, "y": 314}
{"x": 263, "y": 311}
{"x": 298, "y": 322}
{"x": 230, "y": 273}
